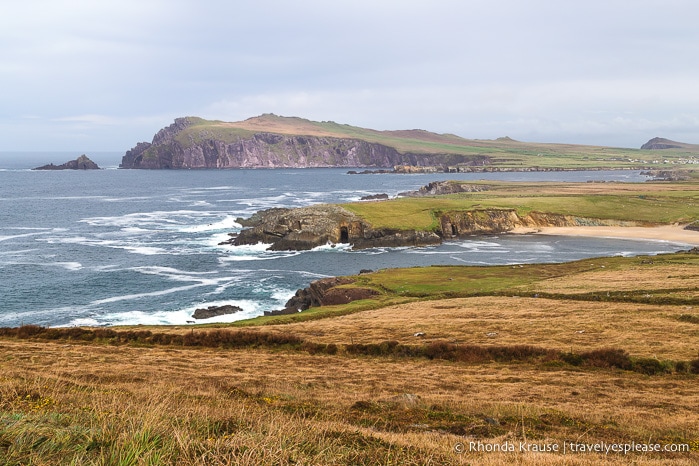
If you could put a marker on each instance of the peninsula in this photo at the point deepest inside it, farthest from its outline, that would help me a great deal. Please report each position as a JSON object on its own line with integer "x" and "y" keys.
{"x": 272, "y": 141}
{"x": 451, "y": 209}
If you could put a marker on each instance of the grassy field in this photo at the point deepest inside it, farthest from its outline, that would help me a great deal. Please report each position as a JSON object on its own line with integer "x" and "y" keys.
{"x": 505, "y": 152}
{"x": 589, "y": 352}
{"x": 649, "y": 203}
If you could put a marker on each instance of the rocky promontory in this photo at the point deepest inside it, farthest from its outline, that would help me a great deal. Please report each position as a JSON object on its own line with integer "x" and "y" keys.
{"x": 306, "y": 228}
{"x": 191, "y": 142}
{"x": 81, "y": 163}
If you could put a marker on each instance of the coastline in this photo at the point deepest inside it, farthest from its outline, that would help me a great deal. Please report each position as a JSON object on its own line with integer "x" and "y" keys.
{"x": 671, "y": 233}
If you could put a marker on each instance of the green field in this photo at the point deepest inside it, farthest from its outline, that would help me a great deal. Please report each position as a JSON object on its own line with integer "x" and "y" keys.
{"x": 651, "y": 203}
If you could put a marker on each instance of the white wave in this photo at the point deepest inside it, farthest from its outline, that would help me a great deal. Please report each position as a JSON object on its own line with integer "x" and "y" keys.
{"x": 215, "y": 240}
{"x": 158, "y": 218}
{"x": 227, "y": 223}
{"x": 18, "y": 252}
{"x": 23, "y": 235}
{"x": 125, "y": 245}
{"x": 144, "y": 250}
{"x": 184, "y": 316}
{"x": 375, "y": 251}
{"x": 83, "y": 322}
{"x": 68, "y": 265}
{"x": 136, "y": 230}
{"x": 476, "y": 244}
{"x": 254, "y": 252}
{"x": 330, "y": 247}
{"x": 136, "y": 296}
{"x": 178, "y": 275}
{"x": 126, "y": 199}
{"x": 282, "y": 294}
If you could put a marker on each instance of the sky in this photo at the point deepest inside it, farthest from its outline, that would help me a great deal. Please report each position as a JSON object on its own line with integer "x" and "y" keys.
{"x": 85, "y": 75}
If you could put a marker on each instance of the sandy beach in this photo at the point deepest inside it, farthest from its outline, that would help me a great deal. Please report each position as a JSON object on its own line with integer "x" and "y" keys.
{"x": 673, "y": 233}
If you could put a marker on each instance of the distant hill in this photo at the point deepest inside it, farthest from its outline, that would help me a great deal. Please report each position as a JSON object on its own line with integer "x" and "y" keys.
{"x": 272, "y": 141}
{"x": 662, "y": 144}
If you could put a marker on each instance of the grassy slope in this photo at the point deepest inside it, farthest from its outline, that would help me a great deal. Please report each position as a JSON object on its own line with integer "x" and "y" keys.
{"x": 655, "y": 203}
{"x": 505, "y": 152}
{"x": 91, "y": 403}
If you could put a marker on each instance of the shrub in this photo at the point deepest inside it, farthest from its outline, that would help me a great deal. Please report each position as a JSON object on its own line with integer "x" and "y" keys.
{"x": 608, "y": 357}
{"x": 681, "y": 367}
{"x": 649, "y": 366}
{"x": 694, "y": 366}
{"x": 572, "y": 358}
{"x": 28, "y": 331}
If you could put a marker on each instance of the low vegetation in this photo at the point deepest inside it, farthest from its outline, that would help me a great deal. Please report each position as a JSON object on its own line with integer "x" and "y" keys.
{"x": 444, "y": 359}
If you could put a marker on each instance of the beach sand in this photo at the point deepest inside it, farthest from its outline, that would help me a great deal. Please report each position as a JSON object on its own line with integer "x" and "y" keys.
{"x": 673, "y": 233}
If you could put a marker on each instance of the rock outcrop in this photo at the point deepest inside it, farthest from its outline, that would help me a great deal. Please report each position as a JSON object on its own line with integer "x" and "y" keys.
{"x": 81, "y": 163}
{"x": 309, "y": 227}
{"x": 215, "y": 311}
{"x": 438, "y": 188}
{"x": 325, "y": 292}
{"x": 189, "y": 144}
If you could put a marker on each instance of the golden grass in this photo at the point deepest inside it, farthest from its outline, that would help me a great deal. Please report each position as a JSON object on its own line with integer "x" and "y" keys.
{"x": 641, "y": 329}
{"x": 258, "y": 407}
{"x": 68, "y": 402}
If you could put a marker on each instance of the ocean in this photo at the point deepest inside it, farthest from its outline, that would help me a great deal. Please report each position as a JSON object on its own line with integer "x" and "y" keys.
{"x": 113, "y": 247}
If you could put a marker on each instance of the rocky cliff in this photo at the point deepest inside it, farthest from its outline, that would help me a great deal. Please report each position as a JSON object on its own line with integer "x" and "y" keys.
{"x": 309, "y": 227}
{"x": 188, "y": 143}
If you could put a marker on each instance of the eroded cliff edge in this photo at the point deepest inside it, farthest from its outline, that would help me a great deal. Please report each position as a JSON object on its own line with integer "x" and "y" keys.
{"x": 189, "y": 144}
{"x": 309, "y": 227}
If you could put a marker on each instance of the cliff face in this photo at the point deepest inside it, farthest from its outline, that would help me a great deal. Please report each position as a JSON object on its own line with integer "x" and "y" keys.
{"x": 309, "y": 227}
{"x": 171, "y": 148}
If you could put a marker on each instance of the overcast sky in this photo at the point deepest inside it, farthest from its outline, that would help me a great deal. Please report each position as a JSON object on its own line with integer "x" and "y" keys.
{"x": 85, "y": 75}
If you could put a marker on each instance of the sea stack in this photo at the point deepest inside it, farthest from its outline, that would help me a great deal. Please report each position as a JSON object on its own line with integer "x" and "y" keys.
{"x": 81, "y": 163}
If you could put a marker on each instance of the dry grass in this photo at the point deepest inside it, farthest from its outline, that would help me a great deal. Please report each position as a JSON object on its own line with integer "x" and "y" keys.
{"x": 170, "y": 406}
{"x": 642, "y": 330}
{"x": 266, "y": 397}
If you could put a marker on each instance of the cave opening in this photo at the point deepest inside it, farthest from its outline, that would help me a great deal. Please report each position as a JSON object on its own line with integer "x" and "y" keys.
{"x": 344, "y": 235}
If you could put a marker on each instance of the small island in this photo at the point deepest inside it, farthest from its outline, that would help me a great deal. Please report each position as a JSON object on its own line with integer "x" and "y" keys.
{"x": 81, "y": 163}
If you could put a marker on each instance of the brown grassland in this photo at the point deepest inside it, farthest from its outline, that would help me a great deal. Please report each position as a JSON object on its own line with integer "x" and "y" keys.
{"x": 556, "y": 353}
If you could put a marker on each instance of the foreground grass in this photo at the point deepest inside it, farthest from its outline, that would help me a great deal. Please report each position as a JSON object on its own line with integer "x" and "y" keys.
{"x": 76, "y": 404}
{"x": 601, "y": 350}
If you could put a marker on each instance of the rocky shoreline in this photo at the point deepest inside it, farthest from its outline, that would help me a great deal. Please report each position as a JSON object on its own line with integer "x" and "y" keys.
{"x": 306, "y": 228}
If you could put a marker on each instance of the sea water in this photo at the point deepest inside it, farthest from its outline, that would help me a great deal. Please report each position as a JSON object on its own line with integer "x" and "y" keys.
{"x": 111, "y": 247}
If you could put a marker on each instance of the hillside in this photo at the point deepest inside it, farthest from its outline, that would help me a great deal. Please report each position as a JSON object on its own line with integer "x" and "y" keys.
{"x": 592, "y": 352}
{"x": 271, "y": 141}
